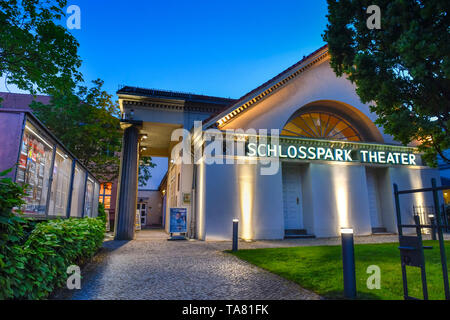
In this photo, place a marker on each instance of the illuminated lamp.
(348, 262)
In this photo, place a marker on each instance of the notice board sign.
(137, 221)
(178, 220)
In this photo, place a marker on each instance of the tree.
(402, 69)
(87, 123)
(35, 52)
(145, 163)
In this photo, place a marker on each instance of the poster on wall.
(178, 220)
(137, 221)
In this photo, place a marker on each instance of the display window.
(76, 209)
(89, 198)
(33, 170)
(59, 196)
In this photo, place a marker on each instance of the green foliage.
(34, 256)
(87, 123)
(403, 68)
(37, 52)
(145, 163)
(11, 236)
(39, 264)
(101, 212)
(53, 246)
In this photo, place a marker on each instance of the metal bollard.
(348, 261)
(235, 235)
(433, 226)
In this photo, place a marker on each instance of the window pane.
(76, 209)
(34, 169)
(108, 188)
(62, 170)
(107, 202)
(320, 125)
(89, 196)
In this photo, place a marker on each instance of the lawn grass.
(319, 269)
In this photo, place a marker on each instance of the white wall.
(339, 199)
(238, 191)
(414, 178)
(316, 84)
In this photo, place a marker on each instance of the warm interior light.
(246, 183)
(42, 139)
(201, 201)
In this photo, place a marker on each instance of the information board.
(178, 220)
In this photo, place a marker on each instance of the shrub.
(53, 246)
(102, 212)
(12, 236)
(33, 264)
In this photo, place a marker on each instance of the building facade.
(59, 186)
(19, 103)
(300, 154)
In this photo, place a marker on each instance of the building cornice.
(170, 106)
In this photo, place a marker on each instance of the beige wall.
(153, 201)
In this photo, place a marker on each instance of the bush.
(12, 236)
(39, 266)
(33, 264)
(102, 212)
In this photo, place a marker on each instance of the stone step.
(299, 236)
(295, 232)
(379, 230)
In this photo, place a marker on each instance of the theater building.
(329, 167)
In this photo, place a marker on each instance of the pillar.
(127, 188)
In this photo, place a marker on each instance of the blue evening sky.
(222, 48)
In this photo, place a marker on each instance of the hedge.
(34, 256)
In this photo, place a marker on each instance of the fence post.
(441, 240)
(397, 210)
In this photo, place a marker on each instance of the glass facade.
(59, 196)
(79, 178)
(95, 200)
(46, 169)
(89, 198)
(35, 159)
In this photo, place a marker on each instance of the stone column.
(127, 187)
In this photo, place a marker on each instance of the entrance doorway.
(292, 200)
(142, 213)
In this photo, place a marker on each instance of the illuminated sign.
(331, 154)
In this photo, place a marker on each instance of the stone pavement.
(151, 267)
